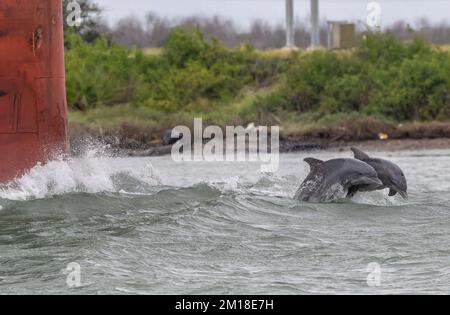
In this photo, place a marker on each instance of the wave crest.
(90, 174)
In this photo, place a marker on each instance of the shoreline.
(133, 139)
(290, 146)
(400, 144)
(379, 145)
(369, 135)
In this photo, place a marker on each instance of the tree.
(92, 26)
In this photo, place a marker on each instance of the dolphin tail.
(360, 155)
(313, 163)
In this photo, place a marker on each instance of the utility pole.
(290, 41)
(315, 31)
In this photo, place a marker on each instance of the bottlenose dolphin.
(389, 173)
(335, 179)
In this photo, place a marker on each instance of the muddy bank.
(131, 140)
(286, 146)
(290, 147)
(396, 145)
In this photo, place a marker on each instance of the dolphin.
(327, 179)
(389, 173)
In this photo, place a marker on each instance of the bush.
(190, 70)
(347, 93)
(401, 81)
(183, 47)
(419, 91)
(99, 74)
(385, 77)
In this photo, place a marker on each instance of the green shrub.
(182, 47)
(99, 74)
(385, 77)
(401, 81)
(419, 91)
(347, 93)
(190, 70)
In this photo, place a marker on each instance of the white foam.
(377, 198)
(231, 184)
(90, 174)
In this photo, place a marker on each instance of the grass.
(237, 112)
(152, 51)
(445, 47)
(146, 126)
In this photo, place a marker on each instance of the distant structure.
(315, 28)
(290, 41)
(341, 35)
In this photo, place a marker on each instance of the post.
(33, 107)
(290, 41)
(315, 31)
(329, 34)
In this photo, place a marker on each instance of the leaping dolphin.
(389, 173)
(327, 179)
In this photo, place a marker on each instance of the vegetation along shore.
(384, 91)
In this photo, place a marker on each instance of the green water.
(151, 226)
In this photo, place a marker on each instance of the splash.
(309, 190)
(92, 173)
(266, 184)
(377, 198)
(231, 184)
(338, 194)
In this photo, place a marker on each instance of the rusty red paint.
(33, 108)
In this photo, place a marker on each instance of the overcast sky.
(244, 11)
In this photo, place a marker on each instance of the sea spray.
(92, 173)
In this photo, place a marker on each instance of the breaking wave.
(91, 173)
(149, 226)
(97, 172)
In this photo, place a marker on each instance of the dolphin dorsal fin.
(313, 163)
(360, 155)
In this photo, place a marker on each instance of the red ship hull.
(33, 108)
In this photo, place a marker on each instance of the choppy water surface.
(149, 225)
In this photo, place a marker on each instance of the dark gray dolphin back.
(389, 173)
(317, 181)
(326, 180)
